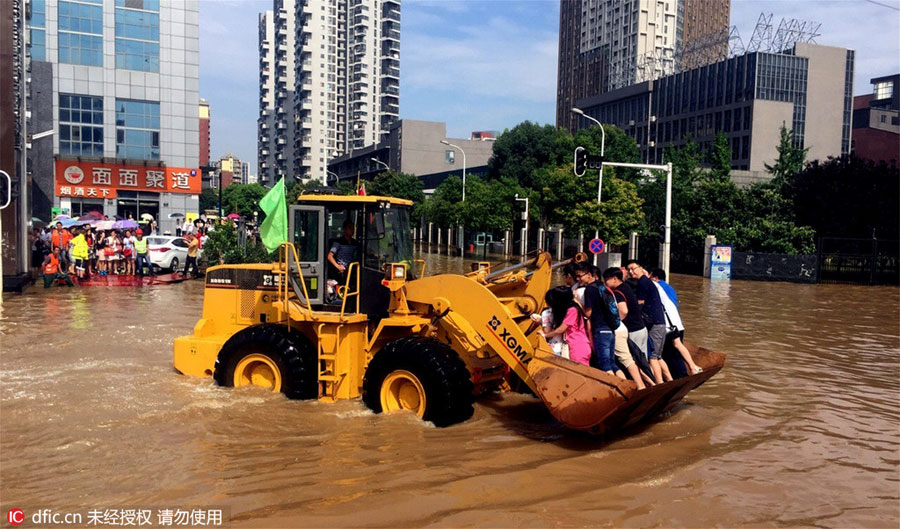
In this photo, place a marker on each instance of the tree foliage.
(222, 247)
(526, 148)
(243, 199)
(847, 197)
(209, 199)
(790, 157)
(400, 185)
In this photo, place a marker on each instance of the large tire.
(269, 355)
(421, 369)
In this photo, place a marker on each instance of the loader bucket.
(583, 398)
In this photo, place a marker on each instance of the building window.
(146, 5)
(137, 129)
(37, 23)
(81, 33)
(137, 35)
(884, 90)
(137, 55)
(80, 125)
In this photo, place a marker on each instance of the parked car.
(168, 252)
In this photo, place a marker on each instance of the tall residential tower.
(334, 70)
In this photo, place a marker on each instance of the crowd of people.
(619, 321)
(58, 252)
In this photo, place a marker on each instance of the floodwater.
(801, 428)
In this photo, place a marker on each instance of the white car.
(168, 252)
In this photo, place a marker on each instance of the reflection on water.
(801, 428)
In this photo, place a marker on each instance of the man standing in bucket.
(141, 255)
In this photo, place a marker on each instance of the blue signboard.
(720, 262)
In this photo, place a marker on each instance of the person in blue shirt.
(658, 275)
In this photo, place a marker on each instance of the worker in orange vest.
(52, 271)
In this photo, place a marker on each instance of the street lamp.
(581, 113)
(332, 173)
(457, 147)
(24, 204)
(376, 160)
(524, 235)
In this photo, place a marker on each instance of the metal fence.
(861, 261)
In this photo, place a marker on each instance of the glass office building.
(808, 88)
(117, 81)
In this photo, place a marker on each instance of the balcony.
(389, 13)
(391, 35)
(390, 72)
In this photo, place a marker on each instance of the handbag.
(109, 251)
(126, 252)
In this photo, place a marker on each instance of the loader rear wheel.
(270, 356)
(419, 375)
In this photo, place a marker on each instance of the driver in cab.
(343, 251)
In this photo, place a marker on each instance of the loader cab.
(380, 236)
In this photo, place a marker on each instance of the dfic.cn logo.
(15, 516)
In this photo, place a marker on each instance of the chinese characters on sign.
(90, 179)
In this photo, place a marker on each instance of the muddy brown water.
(801, 428)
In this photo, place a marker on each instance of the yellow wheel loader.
(378, 328)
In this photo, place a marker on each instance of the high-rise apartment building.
(340, 64)
(204, 132)
(116, 81)
(265, 156)
(610, 44)
(231, 171)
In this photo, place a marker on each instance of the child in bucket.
(568, 322)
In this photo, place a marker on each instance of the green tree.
(222, 247)
(243, 199)
(400, 185)
(522, 150)
(719, 158)
(489, 204)
(790, 157)
(298, 188)
(209, 199)
(443, 208)
(846, 197)
(614, 218)
(346, 187)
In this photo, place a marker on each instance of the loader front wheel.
(422, 376)
(270, 356)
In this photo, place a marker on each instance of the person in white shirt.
(675, 329)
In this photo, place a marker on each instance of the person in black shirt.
(654, 318)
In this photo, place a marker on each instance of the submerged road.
(801, 428)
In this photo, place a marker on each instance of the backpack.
(610, 307)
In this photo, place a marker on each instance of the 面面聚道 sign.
(102, 180)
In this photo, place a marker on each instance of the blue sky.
(490, 64)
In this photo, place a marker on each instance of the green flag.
(274, 230)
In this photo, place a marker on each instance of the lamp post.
(379, 162)
(581, 113)
(332, 173)
(525, 234)
(457, 147)
(24, 203)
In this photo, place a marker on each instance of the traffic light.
(580, 161)
(662, 234)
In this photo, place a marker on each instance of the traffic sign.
(596, 246)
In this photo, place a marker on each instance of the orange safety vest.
(52, 267)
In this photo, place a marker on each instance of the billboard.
(102, 180)
(720, 262)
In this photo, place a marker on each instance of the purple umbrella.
(125, 225)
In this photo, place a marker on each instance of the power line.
(895, 8)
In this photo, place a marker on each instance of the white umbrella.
(146, 217)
